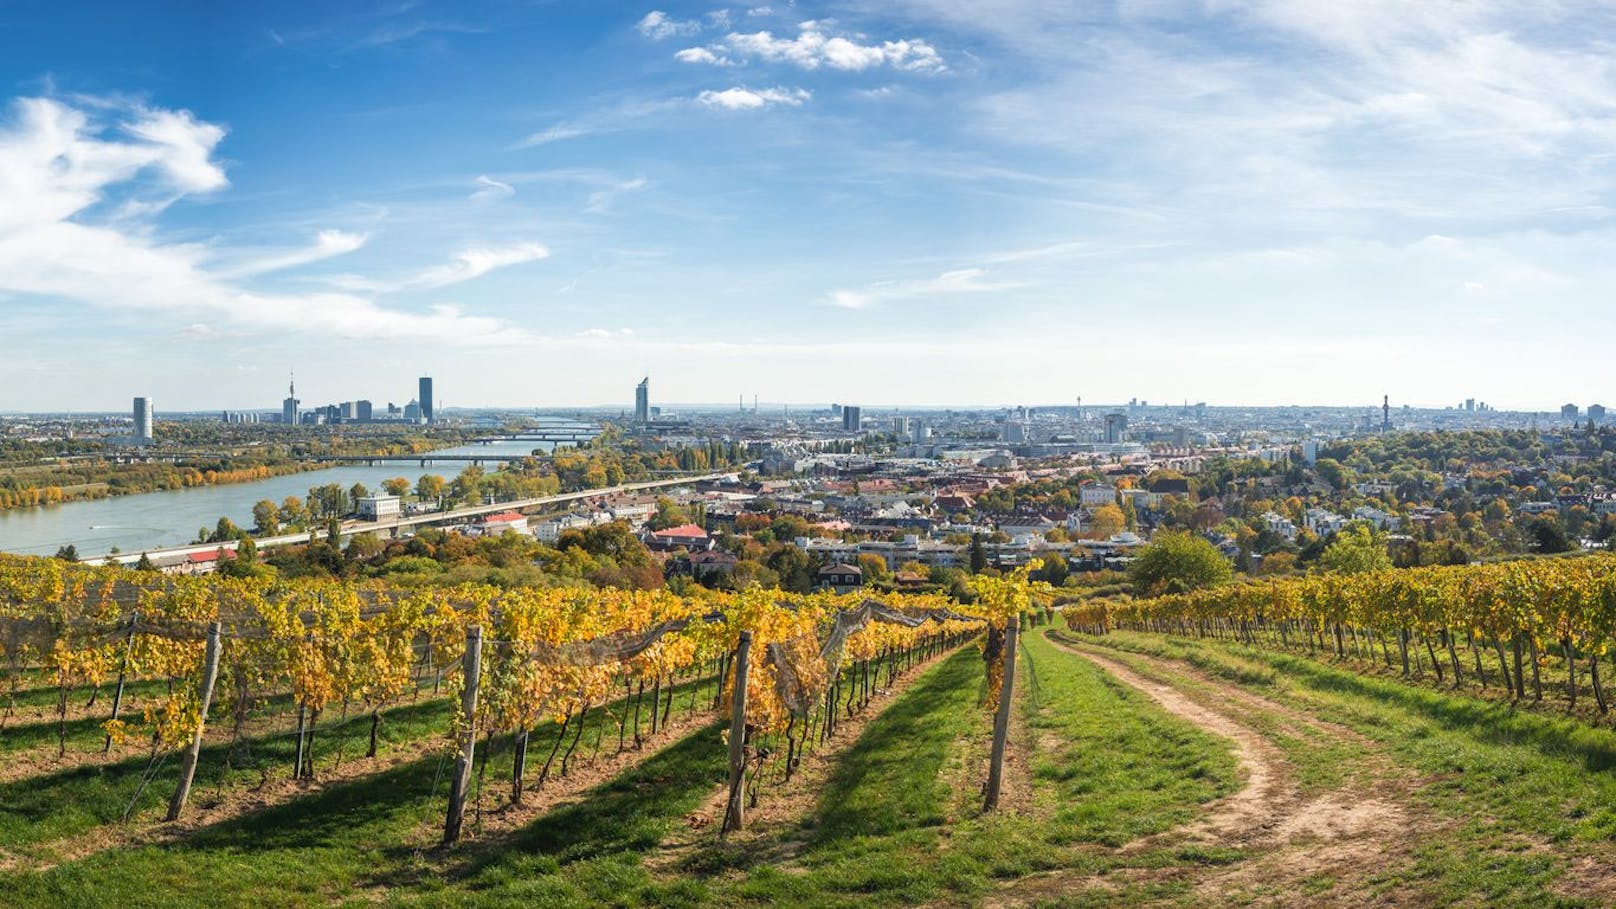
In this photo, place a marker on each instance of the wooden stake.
(210, 672)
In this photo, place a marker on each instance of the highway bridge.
(392, 526)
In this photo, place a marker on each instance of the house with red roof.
(690, 537)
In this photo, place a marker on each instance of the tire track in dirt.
(1332, 841)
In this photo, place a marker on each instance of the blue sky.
(910, 201)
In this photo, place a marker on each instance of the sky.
(898, 202)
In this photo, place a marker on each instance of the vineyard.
(210, 741)
(1527, 615)
(514, 658)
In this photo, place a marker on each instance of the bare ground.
(1301, 849)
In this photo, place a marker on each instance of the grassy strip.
(1526, 794)
(1109, 766)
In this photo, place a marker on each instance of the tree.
(668, 514)
(358, 491)
(266, 518)
(979, 556)
(225, 531)
(68, 553)
(468, 486)
(293, 512)
(1054, 570)
(1359, 547)
(1546, 534)
(397, 486)
(429, 487)
(1177, 562)
(791, 564)
(1107, 521)
(145, 563)
(873, 567)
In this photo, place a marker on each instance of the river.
(153, 520)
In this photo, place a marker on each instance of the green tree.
(429, 487)
(293, 512)
(145, 563)
(266, 518)
(68, 553)
(979, 555)
(1358, 547)
(1177, 562)
(356, 492)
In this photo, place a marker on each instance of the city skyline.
(930, 201)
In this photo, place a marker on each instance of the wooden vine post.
(737, 735)
(1001, 719)
(472, 666)
(210, 672)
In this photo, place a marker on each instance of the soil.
(1301, 849)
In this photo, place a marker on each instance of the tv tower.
(1386, 413)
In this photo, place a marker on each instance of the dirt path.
(1302, 849)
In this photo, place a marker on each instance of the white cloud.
(489, 188)
(701, 55)
(949, 283)
(475, 262)
(658, 26)
(814, 47)
(327, 244)
(601, 200)
(606, 333)
(59, 166)
(739, 98)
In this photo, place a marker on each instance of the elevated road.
(392, 526)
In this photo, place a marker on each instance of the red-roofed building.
(685, 536)
(495, 524)
(194, 563)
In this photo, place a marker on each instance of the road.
(391, 526)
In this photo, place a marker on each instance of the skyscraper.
(289, 406)
(1115, 425)
(642, 401)
(851, 419)
(143, 421)
(425, 397)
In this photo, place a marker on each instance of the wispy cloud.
(947, 284)
(814, 47)
(601, 200)
(489, 188)
(659, 26)
(739, 98)
(327, 244)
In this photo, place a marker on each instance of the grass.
(1521, 792)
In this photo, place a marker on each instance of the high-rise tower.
(289, 406)
(425, 397)
(143, 421)
(642, 401)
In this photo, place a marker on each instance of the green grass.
(1521, 792)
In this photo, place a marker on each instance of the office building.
(1570, 411)
(1596, 413)
(901, 427)
(425, 398)
(851, 421)
(364, 411)
(1116, 425)
(412, 412)
(642, 401)
(144, 419)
